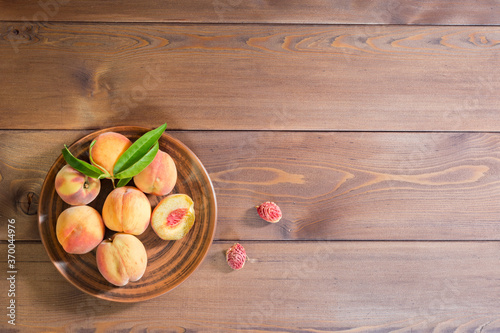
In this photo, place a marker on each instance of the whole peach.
(107, 149)
(75, 188)
(121, 259)
(127, 209)
(173, 217)
(79, 229)
(159, 177)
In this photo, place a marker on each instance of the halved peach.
(173, 217)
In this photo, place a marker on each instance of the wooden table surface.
(374, 125)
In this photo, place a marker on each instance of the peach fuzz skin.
(159, 177)
(107, 149)
(74, 188)
(127, 209)
(79, 229)
(121, 259)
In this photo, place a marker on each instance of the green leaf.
(138, 149)
(79, 165)
(123, 182)
(139, 165)
(104, 175)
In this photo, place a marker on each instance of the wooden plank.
(249, 77)
(356, 186)
(285, 287)
(256, 11)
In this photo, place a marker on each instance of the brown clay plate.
(169, 262)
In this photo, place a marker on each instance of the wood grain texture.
(250, 77)
(355, 186)
(484, 12)
(286, 287)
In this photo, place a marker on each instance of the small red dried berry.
(236, 256)
(269, 211)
